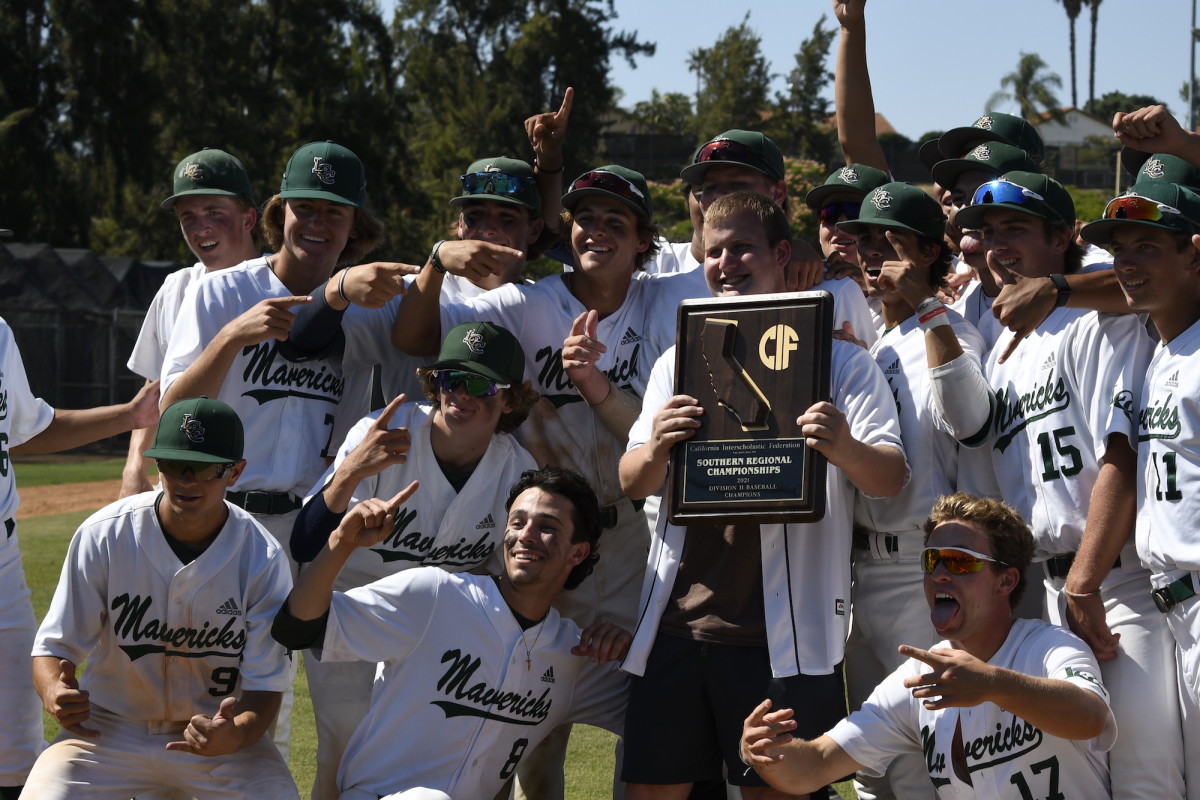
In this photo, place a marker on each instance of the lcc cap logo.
(881, 199)
(982, 153)
(192, 429)
(193, 172)
(323, 170)
(848, 175)
(984, 123)
(474, 342)
(1154, 169)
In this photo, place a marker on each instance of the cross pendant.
(528, 663)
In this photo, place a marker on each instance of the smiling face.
(836, 245)
(316, 231)
(971, 610)
(605, 237)
(217, 228)
(874, 249)
(1158, 277)
(1020, 243)
(464, 413)
(738, 259)
(538, 551)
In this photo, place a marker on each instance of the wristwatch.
(437, 262)
(1064, 289)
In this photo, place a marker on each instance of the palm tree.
(1031, 87)
(1073, 7)
(1095, 9)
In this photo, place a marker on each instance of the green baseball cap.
(325, 171)
(198, 429)
(1159, 167)
(622, 183)
(994, 158)
(1152, 204)
(739, 148)
(504, 180)
(929, 153)
(899, 206)
(484, 349)
(993, 127)
(210, 171)
(1027, 192)
(851, 182)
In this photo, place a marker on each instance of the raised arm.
(547, 133)
(75, 427)
(786, 763)
(1152, 129)
(854, 105)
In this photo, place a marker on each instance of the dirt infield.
(38, 501)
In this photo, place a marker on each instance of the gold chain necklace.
(528, 649)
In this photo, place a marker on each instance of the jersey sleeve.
(503, 306)
(861, 392)
(383, 620)
(146, 359)
(1112, 352)
(27, 416)
(1068, 659)
(600, 696)
(265, 664)
(75, 621)
(659, 389)
(885, 726)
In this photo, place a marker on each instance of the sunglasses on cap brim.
(449, 381)
(729, 150)
(494, 183)
(832, 212)
(1001, 191)
(1135, 208)
(958, 560)
(609, 182)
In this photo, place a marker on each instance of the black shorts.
(685, 714)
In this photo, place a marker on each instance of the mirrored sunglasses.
(494, 183)
(831, 213)
(1141, 209)
(1001, 191)
(958, 560)
(615, 184)
(727, 150)
(450, 381)
(201, 471)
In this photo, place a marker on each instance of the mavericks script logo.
(404, 545)
(1160, 420)
(285, 378)
(224, 641)
(1007, 742)
(1013, 414)
(557, 387)
(480, 700)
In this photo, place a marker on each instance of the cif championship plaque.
(755, 364)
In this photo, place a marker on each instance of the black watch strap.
(1064, 289)
(434, 259)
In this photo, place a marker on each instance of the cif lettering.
(776, 346)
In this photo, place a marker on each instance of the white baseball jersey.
(1169, 457)
(901, 354)
(671, 258)
(806, 567)
(1066, 388)
(150, 349)
(369, 344)
(849, 304)
(1005, 756)
(976, 308)
(437, 526)
(165, 640)
(286, 407)
(22, 417)
(462, 693)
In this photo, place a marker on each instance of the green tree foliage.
(734, 78)
(800, 122)
(1032, 87)
(1112, 102)
(665, 113)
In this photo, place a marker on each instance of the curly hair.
(1010, 538)
(365, 236)
(585, 511)
(522, 397)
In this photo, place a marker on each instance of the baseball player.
(214, 205)
(1060, 445)
(459, 448)
(169, 596)
(725, 614)
(1003, 708)
(931, 359)
(30, 425)
(1151, 231)
(226, 343)
(473, 670)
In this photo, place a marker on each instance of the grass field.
(44, 540)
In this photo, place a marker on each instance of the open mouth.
(945, 609)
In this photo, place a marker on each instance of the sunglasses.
(495, 183)
(614, 184)
(1141, 209)
(1001, 191)
(726, 150)
(958, 560)
(476, 385)
(831, 213)
(201, 471)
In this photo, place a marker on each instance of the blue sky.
(933, 63)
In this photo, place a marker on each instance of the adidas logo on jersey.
(630, 337)
(548, 675)
(893, 368)
(1048, 363)
(230, 608)
(1173, 381)
(486, 522)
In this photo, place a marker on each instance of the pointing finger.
(564, 111)
(1012, 346)
(898, 245)
(385, 417)
(403, 495)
